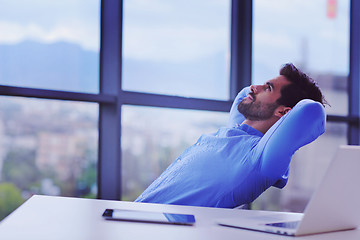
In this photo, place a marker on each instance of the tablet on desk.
(149, 217)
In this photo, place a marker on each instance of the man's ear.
(281, 111)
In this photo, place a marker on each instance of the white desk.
(48, 218)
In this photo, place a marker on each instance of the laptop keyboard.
(291, 225)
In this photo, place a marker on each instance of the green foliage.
(89, 175)
(20, 168)
(10, 199)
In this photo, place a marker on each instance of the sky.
(179, 31)
(299, 30)
(75, 21)
(175, 31)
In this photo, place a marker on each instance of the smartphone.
(149, 217)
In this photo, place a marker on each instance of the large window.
(48, 146)
(50, 44)
(177, 47)
(314, 35)
(90, 109)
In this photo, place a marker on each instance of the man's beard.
(256, 111)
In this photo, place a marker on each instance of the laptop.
(334, 206)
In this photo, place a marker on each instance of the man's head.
(261, 102)
(301, 87)
(277, 96)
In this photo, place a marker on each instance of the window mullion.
(241, 43)
(109, 169)
(354, 76)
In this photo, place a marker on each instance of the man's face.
(260, 104)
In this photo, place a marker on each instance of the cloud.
(176, 31)
(13, 33)
(51, 21)
(173, 44)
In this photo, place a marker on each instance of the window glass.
(307, 168)
(50, 44)
(152, 138)
(46, 147)
(177, 47)
(314, 35)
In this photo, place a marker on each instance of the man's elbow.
(315, 113)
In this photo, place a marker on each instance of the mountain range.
(68, 67)
(57, 66)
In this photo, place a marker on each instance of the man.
(267, 124)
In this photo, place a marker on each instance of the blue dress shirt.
(237, 163)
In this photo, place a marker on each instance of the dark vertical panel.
(241, 43)
(241, 48)
(354, 76)
(109, 169)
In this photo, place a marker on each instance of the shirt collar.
(250, 130)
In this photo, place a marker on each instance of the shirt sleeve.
(236, 118)
(300, 126)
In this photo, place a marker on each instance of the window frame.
(353, 118)
(111, 97)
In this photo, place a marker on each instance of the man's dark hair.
(301, 87)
